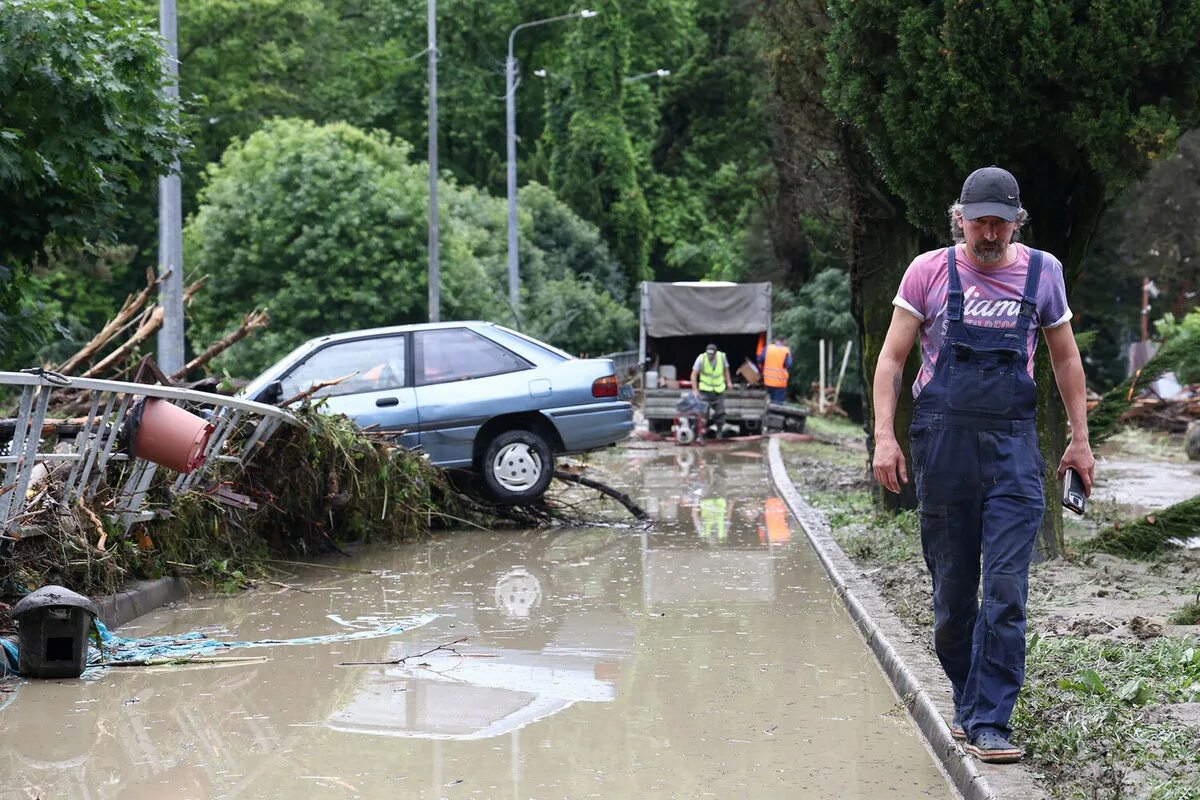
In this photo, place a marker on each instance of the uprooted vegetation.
(312, 489)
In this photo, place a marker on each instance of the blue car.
(472, 395)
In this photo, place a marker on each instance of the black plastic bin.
(53, 626)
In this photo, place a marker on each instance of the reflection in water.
(703, 657)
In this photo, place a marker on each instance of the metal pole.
(435, 265)
(171, 345)
(510, 121)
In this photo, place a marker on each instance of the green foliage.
(1150, 534)
(326, 226)
(568, 243)
(819, 309)
(1183, 337)
(708, 175)
(322, 225)
(576, 314)
(592, 168)
(1056, 91)
(1081, 718)
(1179, 352)
(80, 112)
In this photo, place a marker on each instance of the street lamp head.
(587, 13)
(541, 73)
(662, 73)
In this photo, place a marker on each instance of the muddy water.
(706, 657)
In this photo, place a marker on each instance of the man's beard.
(988, 252)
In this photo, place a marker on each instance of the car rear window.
(457, 354)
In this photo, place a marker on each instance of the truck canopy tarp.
(688, 309)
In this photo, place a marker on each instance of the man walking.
(775, 361)
(710, 378)
(977, 307)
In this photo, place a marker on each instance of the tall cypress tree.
(1075, 98)
(593, 167)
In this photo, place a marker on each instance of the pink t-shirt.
(991, 299)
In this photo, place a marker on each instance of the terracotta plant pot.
(170, 436)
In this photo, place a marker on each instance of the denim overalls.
(978, 473)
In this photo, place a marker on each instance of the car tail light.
(605, 387)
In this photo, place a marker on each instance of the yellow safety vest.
(712, 376)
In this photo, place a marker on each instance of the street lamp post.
(510, 120)
(435, 265)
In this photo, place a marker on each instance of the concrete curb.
(140, 598)
(912, 670)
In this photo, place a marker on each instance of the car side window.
(456, 354)
(373, 365)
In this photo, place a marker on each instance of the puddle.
(706, 657)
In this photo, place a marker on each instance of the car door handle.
(387, 401)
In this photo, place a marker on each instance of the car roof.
(393, 329)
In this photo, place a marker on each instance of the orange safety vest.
(777, 529)
(775, 374)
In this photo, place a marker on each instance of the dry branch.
(129, 310)
(253, 321)
(620, 497)
(144, 332)
(316, 387)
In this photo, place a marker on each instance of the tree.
(592, 167)
(325, 226)
(81, 108)
(819, 309)
(830, 191)
(1076, 100)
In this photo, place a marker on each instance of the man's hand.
(1078, 456)
(889, 461)
(695, 392)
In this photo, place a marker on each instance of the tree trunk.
(1069, 214)
(883, 242)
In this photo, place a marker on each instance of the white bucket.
(651, 379)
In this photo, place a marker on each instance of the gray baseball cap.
(991, 192)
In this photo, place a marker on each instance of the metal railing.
(624, 362)
(91, 443)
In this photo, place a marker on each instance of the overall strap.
(954, 298)
(1029, 296)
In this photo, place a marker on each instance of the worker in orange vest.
(775, 362)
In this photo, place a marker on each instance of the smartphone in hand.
(1073, 496)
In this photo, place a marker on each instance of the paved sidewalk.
(914, 672)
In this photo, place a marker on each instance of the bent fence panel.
(39, 441)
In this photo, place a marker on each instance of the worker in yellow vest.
(710, 379)
(775, 362)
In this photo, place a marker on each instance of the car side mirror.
(272, 393)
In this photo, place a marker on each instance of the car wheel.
(517, 467)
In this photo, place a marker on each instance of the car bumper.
(591, 426)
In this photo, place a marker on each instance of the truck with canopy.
(678, 320)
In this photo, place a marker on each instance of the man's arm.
(728, 377)
(695, 381)
(889, 371)
(1068, 373)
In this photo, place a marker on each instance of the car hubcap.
(518, 592)
(517, 467)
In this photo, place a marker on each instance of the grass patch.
(837, 427)
(1189, 614)
(1087, 716)
(867, 533)
(1146, 444)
